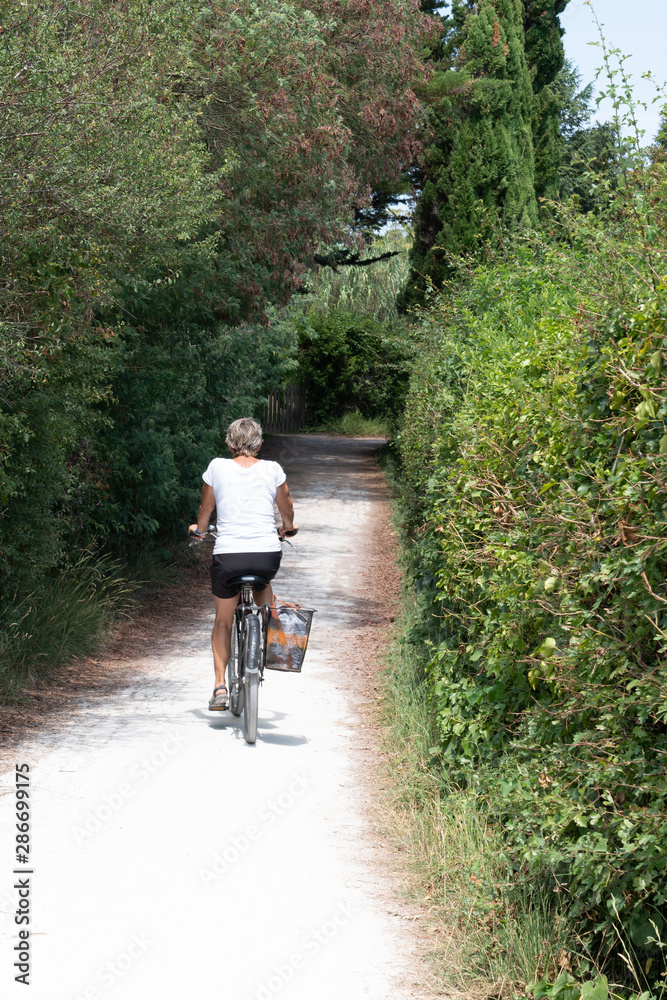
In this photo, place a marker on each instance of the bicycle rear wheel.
(251, 678)
(234, 674)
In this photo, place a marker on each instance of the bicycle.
(245, 667)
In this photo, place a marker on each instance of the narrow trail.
(173, 860)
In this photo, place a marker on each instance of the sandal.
(219, 702)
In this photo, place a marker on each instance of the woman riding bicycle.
(243, 490)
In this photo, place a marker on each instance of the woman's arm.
(286, 508)
(205, 509)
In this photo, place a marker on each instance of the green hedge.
(535, 461)
(147, 228)
(351, 362)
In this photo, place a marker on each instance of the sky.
(639, 29)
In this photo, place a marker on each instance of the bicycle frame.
(245, 607)
(245, 671)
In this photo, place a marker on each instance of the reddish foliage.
(316, 114)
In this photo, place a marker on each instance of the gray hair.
(244, 437)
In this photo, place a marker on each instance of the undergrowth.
(496, 928)
(71, 613)
(353, 424)
(533, 450)
(493, 927)
(67, 615)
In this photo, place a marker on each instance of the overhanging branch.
(350, 258)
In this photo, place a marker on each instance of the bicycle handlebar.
(211, 531)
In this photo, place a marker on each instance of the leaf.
(615, 904)
(646, 410)
(597, 990)
(550, 583)
(539, 989)
(656, 361)
(644, 927)
(547, 648)
(565, 987)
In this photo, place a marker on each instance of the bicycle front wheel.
(234, 679)
(251, 679)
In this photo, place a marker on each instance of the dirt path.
(173, 860)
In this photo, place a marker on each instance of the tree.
(545, 57)
(575, 102)
(312, 104)
(167, 171)
(661, 137)
(478, 172)
(104, 181)
(586, 151)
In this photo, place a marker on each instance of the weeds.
(67, 616)
(493, 926)
(353, 424)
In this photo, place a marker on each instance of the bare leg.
(222, 635)
(263, 596)
(221, 639)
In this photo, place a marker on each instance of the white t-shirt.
(244, 503)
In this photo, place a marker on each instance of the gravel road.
(170, 858)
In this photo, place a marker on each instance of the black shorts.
(227, 565)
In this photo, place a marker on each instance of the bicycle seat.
(256, 582)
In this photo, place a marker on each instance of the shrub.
(534, 447)
(65, 615)
(352, 362)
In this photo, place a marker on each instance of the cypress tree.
(478, 173)
(545, 57)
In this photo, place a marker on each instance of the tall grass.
(492, 927)
(354, 424)
(66, 617)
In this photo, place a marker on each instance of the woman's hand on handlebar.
(286, 532)
(194, 532)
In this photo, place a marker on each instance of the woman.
(242, 489)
